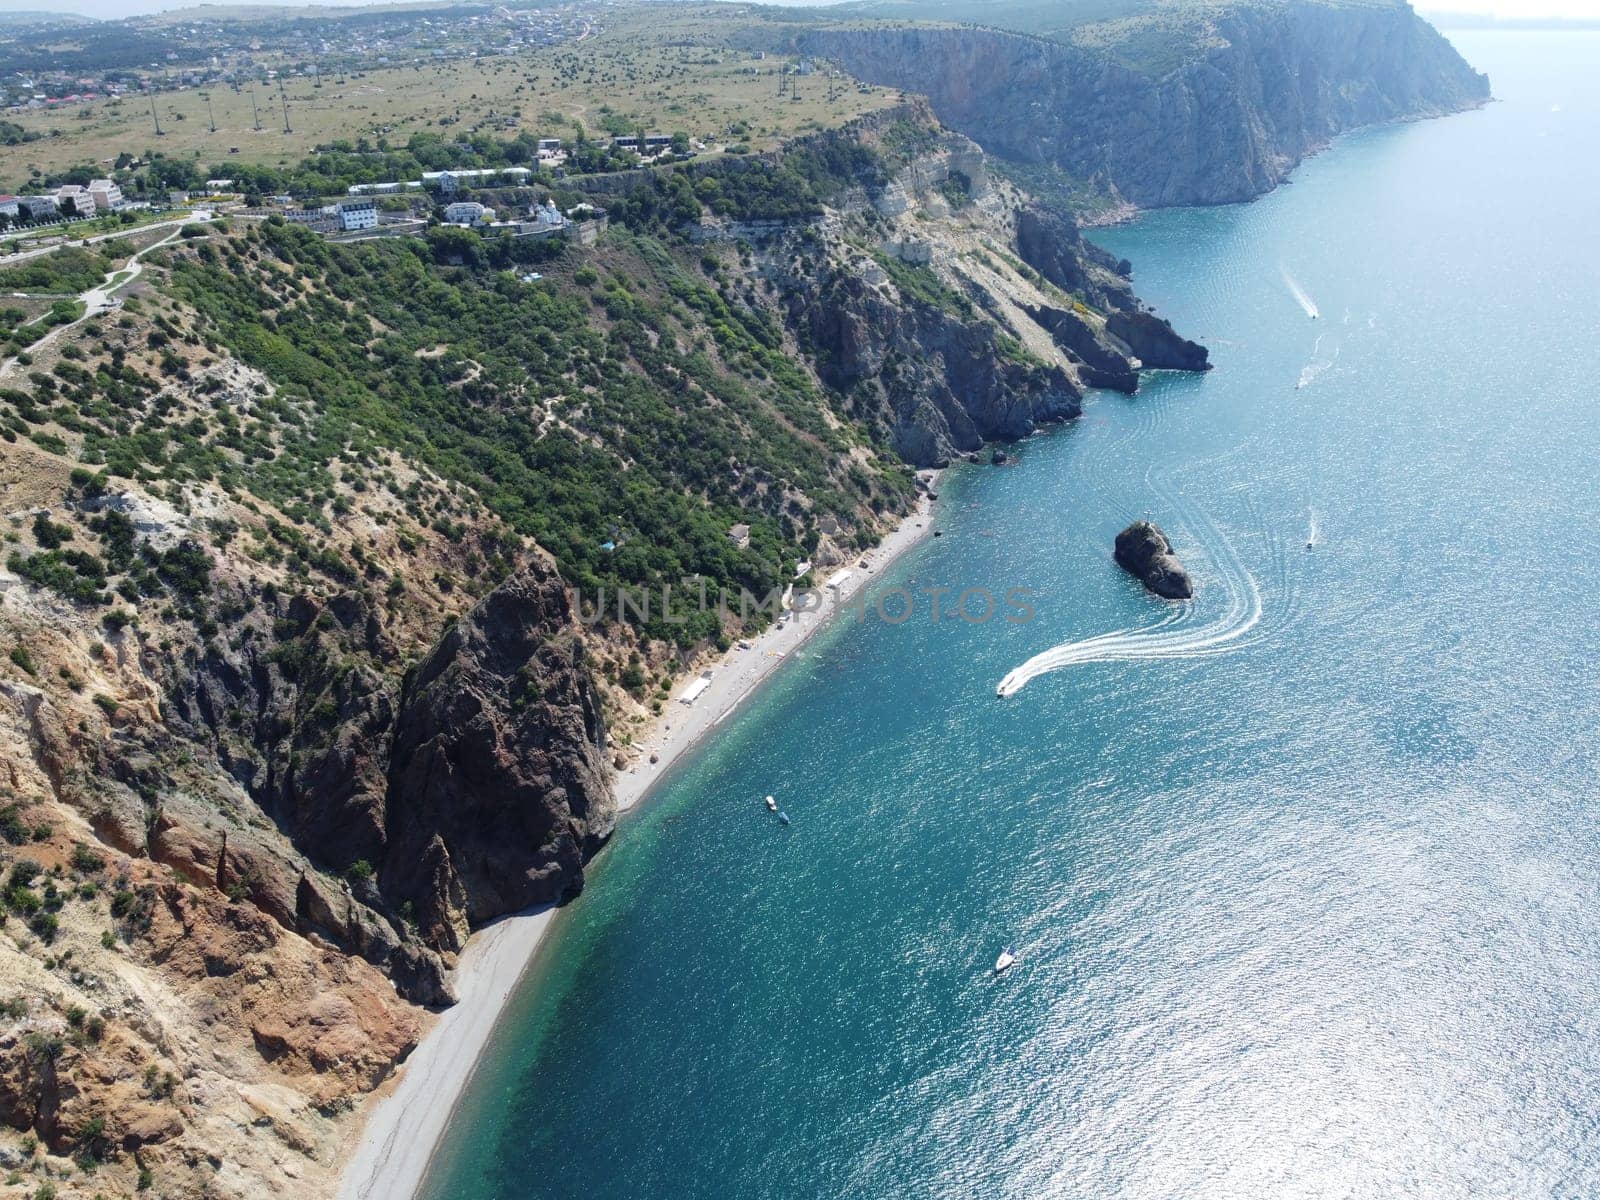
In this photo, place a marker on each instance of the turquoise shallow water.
(1316, 916)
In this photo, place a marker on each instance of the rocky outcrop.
(498, 784)
(1263, 87)
(1052, 244)
(1130, 338)
(1100, 365)
(1155, 343)
(1144, 552)
(939, 383)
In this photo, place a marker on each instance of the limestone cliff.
(1262, 86)
(944, 307)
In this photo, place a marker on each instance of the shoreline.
(390, 1148)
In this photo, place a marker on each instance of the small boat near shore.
(1007, 959)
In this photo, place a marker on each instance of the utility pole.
(285, 99)
(153, 116)
(254, 110)
(210, 113)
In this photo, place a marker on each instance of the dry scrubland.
(668, 70)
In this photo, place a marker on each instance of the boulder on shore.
(1144, 552)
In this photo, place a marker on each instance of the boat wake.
(1314, 369)
(1178, 635)
(1300, 295)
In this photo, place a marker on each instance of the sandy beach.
(389, 1153)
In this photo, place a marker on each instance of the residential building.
(37, 208)
(75, 197)
(106, 194)
(8, 205)
(739, 535)
(356, 214)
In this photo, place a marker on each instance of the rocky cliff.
(945, 308)
(289, 709)
(498, 791)
(943, 383)
(1264, 86)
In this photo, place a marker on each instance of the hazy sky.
(1502, 8)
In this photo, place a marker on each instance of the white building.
(107, 195)
(37, 208)
(467, 212)
(450, 182)
(547, 217)
(78, 197)
(356, 214)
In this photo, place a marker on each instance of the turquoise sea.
(1307, 897)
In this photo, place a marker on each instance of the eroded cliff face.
(949, 309)
(1270, 86)
(944, 382)
(499, 790)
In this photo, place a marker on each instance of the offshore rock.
(1144, 552)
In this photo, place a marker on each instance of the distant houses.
(100, 196)
(343, 217)
(644, 144)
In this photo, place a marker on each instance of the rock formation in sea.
(1143, 551)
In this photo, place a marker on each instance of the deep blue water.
(1317, 915)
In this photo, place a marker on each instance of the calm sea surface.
(1305, 882)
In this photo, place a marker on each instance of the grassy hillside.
(667, 68)
(1147, 35)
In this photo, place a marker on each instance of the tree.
(451, 245)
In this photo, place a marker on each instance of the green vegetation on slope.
(645, 407)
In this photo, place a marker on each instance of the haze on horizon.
(1504, 9)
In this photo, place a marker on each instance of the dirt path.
(96, 300)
